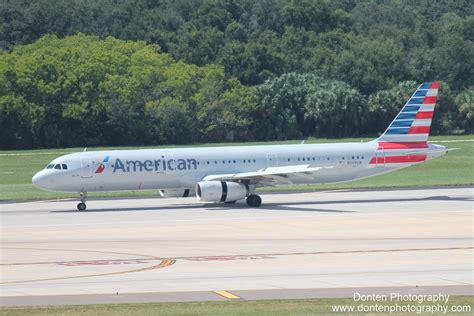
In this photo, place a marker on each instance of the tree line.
(161, 72)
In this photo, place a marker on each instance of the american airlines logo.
(154, 165)
(101, 167)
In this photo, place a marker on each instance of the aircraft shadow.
(286, 206)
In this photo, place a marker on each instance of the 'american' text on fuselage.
(154, 165)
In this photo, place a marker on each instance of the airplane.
(230, 174)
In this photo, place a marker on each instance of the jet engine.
(176, 193)
(221, 191)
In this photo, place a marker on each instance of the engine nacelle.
(176, 193)
(220, 191)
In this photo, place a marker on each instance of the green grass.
(269, 307)
(17, 167)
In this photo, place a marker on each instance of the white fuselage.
(171, 168)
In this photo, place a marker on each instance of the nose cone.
(39, 179)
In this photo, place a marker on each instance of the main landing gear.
(82, 206)
(254, 200)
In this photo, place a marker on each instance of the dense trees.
(83, 90)
(175, 71)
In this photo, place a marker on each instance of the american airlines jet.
(230, 174)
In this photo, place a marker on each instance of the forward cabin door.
(86, 167)
(272, 160)
(380, 158)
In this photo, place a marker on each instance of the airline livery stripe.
(429, 85)
(426, 93)
(419, 130)
(416, 100)
(427, 107)
(397, 131)
(411, 108)
(424, 115)
(401, 145)
(399, 123)
(397, 159)
(425, 85)
(432, 93)
(406, 116)
(420, 93)
(429, 100)
(404, 138)
(426, 122)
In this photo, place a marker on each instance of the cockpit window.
(58, 166)
(64, 166)
(50, 166)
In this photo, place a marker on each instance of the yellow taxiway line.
(227, 294)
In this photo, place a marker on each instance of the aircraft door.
(272, 160)
(86, 167)
(380, 158)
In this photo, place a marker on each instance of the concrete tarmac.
(314, 244)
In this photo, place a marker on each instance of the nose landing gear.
(82, 206)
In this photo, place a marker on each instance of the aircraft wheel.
(254, 200)
(81, 206)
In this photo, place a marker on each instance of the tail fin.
(412, 124)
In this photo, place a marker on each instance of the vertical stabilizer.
(412, 125)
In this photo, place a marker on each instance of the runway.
(315, 244)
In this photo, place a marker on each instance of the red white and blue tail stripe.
(412, 124)
(404, 141)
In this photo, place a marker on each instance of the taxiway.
(296, 245)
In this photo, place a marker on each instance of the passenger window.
(50, 166)
(64, 166)
(58, 166)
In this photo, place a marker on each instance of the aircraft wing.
(268, 176)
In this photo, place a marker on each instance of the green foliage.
(146, 67)
(395, 40)
(466, 109)
(83, 91)
(384, 105)
(302, 105)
